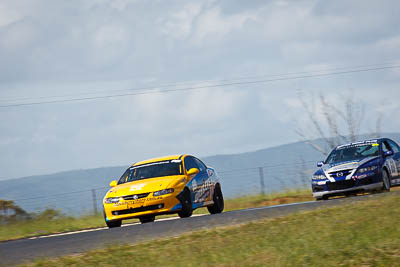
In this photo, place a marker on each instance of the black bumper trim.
(136, 210)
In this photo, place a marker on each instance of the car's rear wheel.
(186, 201)
(218, 199)
(113, 224)
(147, 219)
(385, 181)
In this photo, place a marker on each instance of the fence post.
(262, 185)
(94, 201)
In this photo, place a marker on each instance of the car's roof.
(367, 141)
(158, 159)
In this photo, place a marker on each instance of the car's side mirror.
(193, 171)
(320, 164)
(388, 153)
(113, 183)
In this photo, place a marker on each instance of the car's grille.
(339, 185)
(342, 173)
(136, 196)
(140, 209)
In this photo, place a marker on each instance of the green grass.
(277, 198)
(358, 234)
(43, 225)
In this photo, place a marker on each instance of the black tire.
(218, 199)
(113, 224)
(187, 208)
(147, 219)
(321, 198)
(350, 194)
(385, 181)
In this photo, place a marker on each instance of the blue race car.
(371, 165)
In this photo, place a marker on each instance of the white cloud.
(180, 23)
(300, 51)
(293, 103)
(13, 11)
(75, 48)
(390, 43)
(212, 26)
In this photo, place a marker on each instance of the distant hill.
(285, 166)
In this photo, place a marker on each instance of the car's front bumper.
(142, 207)
(368, 187)
(372, 181)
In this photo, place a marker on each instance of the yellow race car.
(173, 184)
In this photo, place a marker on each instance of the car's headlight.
(163, 192)
(319, 177)
(367, 169)
(111, 200)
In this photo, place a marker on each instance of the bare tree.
(304, 173)
(333, 124)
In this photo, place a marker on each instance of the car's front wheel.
(186, 202)
(218, 199)
(385, 181)
(113, 224)
(322, 198)
(351, 194)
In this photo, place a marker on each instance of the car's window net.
(353, 152)
(200, 164)
(394, 146)
(385, 147)
(151, 170)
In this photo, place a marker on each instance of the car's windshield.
(352, 152)
(151, 170)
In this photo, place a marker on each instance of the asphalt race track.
(25, 250)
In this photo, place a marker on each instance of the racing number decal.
(201, 183)
(202, 192)
(202, 189)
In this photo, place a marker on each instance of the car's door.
(396, 157)
(196, 183)
(389, 160)
(206, 187)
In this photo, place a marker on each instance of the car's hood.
(346, 165)
(144, 186)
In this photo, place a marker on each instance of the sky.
(197, 77)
